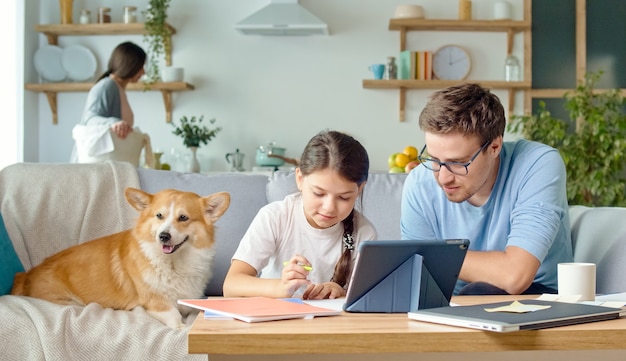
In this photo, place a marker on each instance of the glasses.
(457, 168)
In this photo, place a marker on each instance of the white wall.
(10, 79)
(272, 88)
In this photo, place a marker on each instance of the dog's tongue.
(168, 249)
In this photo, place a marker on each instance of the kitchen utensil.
(235, 159)
(47, 61)
(263, 153)
(287, 160)
(378, 70)
(79, 63)
(409, 11)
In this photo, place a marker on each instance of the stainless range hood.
(282, 17)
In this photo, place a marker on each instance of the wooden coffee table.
(368, 336)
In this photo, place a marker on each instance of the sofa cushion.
(10, 263)
(247, 196)
(380, 201)
(599, 236)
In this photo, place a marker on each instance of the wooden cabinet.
(510, 27)
(52, 33)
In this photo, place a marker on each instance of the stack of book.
(416, 65)
(257, 309)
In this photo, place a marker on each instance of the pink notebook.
(258, 309)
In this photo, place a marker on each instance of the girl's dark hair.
(345, 155)
(126, 60)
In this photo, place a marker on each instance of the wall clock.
(451, 62)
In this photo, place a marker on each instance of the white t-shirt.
(280, 230)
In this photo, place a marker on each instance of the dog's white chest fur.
(183, 274)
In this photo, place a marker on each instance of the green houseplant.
(157, 37)
(592, 142)
(195, 133)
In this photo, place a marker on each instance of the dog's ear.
(137, 198)
(215, 205)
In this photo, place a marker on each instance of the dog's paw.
(171, 317)
(188, 321)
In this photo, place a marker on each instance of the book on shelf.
(405, 64)
(257, 309)
(415, 65)
(424, 65)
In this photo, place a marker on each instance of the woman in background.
(107, 106)
(107, 102)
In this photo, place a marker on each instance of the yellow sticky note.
(518, 307)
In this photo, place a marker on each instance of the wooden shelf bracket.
(51, 90)
(167, 101)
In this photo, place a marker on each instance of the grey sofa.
(34, 329)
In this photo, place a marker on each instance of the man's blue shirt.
(527, 208)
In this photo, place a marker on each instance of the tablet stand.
(407, 288)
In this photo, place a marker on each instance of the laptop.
(399, 276)
(558, 314)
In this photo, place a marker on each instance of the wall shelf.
(51, 90)
(437, 84)
(53, 31)
(510, 27)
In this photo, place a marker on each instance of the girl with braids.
(304, 245)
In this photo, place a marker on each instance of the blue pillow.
(10, 264)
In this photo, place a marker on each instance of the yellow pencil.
(308, 268)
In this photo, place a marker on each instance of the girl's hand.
(121, 129)
(294, 275)
(330, 290)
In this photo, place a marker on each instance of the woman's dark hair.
(126, 60)
(345, 155)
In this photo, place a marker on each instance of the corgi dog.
(165, 257)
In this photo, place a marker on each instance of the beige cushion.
(599, 236)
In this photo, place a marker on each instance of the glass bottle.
(85, 16)
(66, 11)
(465, 9)
(130, 14)
(511, 68)
(391, 69)
(104, 15)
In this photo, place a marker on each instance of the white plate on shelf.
(47, 61)
(79, 63)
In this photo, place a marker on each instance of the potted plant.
(194, 133)
(592, 142)
(158, 36)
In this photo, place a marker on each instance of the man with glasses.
(507, 198)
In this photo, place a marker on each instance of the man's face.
(474, 187)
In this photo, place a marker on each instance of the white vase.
(194, 166)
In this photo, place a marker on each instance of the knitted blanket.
(50, 207)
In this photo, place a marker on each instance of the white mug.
(502, 10)
(170, 73)
(577, 279)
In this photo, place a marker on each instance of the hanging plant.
(158, 35)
